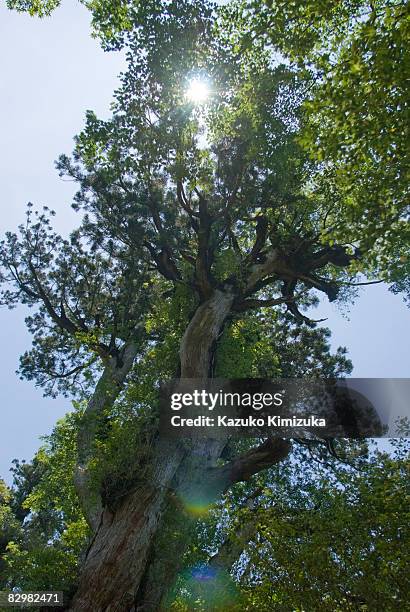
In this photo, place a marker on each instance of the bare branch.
(362, 284)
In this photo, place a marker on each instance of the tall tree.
(208, 210)
(45, 547)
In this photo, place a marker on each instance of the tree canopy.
(209, 230)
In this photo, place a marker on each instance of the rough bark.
(192, 486)
(197, 481)
(202, 333)
(191, 481)
(117, 559)
(137, 548)
(117, 556)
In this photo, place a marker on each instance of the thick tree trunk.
(197, 484)
(137, 549)
(117, 556)
(195, 488)
(126, 567)
(191, 484)
(202, 333)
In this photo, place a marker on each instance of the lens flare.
(213, 587)
(203, 573)
(198, 91)
(196, 505)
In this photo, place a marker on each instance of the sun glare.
(198, 91)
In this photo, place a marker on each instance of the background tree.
(197, 219)
(44, 549)
(295, 538)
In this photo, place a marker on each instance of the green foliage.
(241, 350)
(110, 19)
(46, 531)
(269, 345)
(355, 59)
(343, 547)
(57, 459)
(123, 448)
(86, 305)
(42, 567)
(109, 279)
(333, 538)
(40, 8)
(10, 528)
(226, 264)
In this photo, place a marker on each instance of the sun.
(198, 91)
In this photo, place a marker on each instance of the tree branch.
(184, 202)
(260, 240)
(106, 392)
(232, 547)
(163, 262)
(242, 468)
(62, 321)
(250, 304)
(203, 276)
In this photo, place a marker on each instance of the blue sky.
(52, 72)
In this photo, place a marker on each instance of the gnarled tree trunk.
(136, 552)
(119, 554)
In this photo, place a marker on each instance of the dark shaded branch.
(250, 303)
(336, 255)
(185, 204)
(21, 284)
(362, 284)
(242, 468)
(62, 321)
(300, 317)
(261, 235)
(234, 241)
(163, 262)
(203, 265)
(330, 288)
(188, 257)
(73, 371)
(78, 320)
